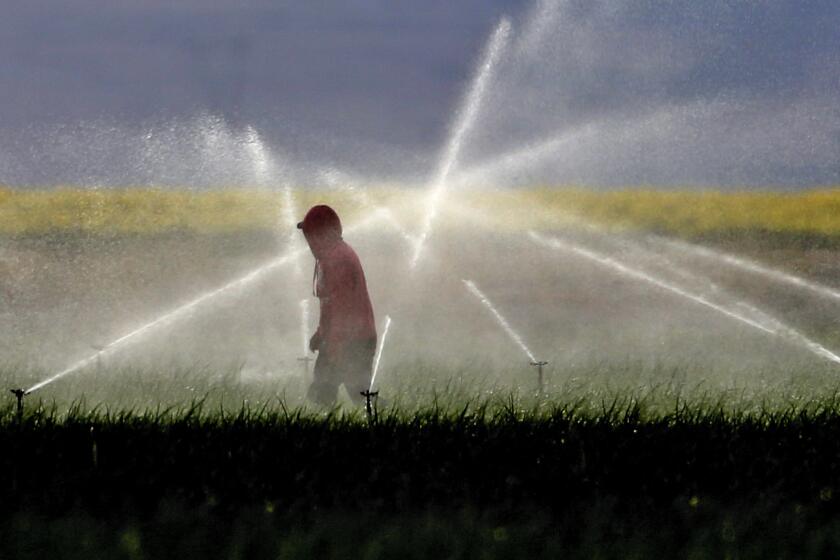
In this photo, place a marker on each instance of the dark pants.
(353, 370)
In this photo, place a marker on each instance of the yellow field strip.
(681, 212)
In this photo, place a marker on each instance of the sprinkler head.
(539, 365)
(19, 394)
(370, 409)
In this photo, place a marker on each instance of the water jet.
(465, 122)
(185, 309)
(630, 272)
(514, 336)
(304, 334)
(379, 349)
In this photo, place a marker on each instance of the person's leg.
(324, 387)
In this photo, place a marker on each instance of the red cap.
(321, 219)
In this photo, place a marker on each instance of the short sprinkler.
(19, 394)
(370, 404)
(306, 360)
(540, 365)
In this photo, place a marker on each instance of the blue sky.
(371, 86)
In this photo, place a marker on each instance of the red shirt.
(346, 311)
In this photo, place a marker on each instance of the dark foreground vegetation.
(485, 481)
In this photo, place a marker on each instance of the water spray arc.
(348, 184)
(558, 244)
(464, 123)
(531, 154)
(379, 350)
(165, 319)
(514, 336)
(184, 310)
(289, 223)
(369, 394)
(751, 266)
(761, 316)
(264, 170)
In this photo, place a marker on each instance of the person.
(346, 336)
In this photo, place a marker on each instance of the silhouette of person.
(346, 335)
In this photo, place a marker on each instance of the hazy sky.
(750, 88)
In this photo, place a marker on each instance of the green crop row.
(546, 480)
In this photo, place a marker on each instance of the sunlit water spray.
(560, 145)
(265, 171)
(260, 160)
(379, 350)
(606, 146)
(184, 310)
(759, 315)
(483, 219)
(542, 21)
(751, 266)
(304, 326)
(531, 155)
(290, 222)
(465, 122)
(346, 183)
(787, 333)
(305, 356)
(389, 217)
(514, 336)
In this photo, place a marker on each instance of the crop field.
(690, 404)
(671, 472)
(812, 215)
(601, 241)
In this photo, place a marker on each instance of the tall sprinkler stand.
(540, 365)
(19, 394)
(306, 361)
(370, 404)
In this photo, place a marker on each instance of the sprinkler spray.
(540, 379)
(19, 394)
(99, 349)
(304, 335)
(370, 394)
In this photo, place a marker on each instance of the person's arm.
(315, 340)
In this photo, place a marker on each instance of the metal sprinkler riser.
(539, 365)
(306, 361)
(369, 409)
(19, 394)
